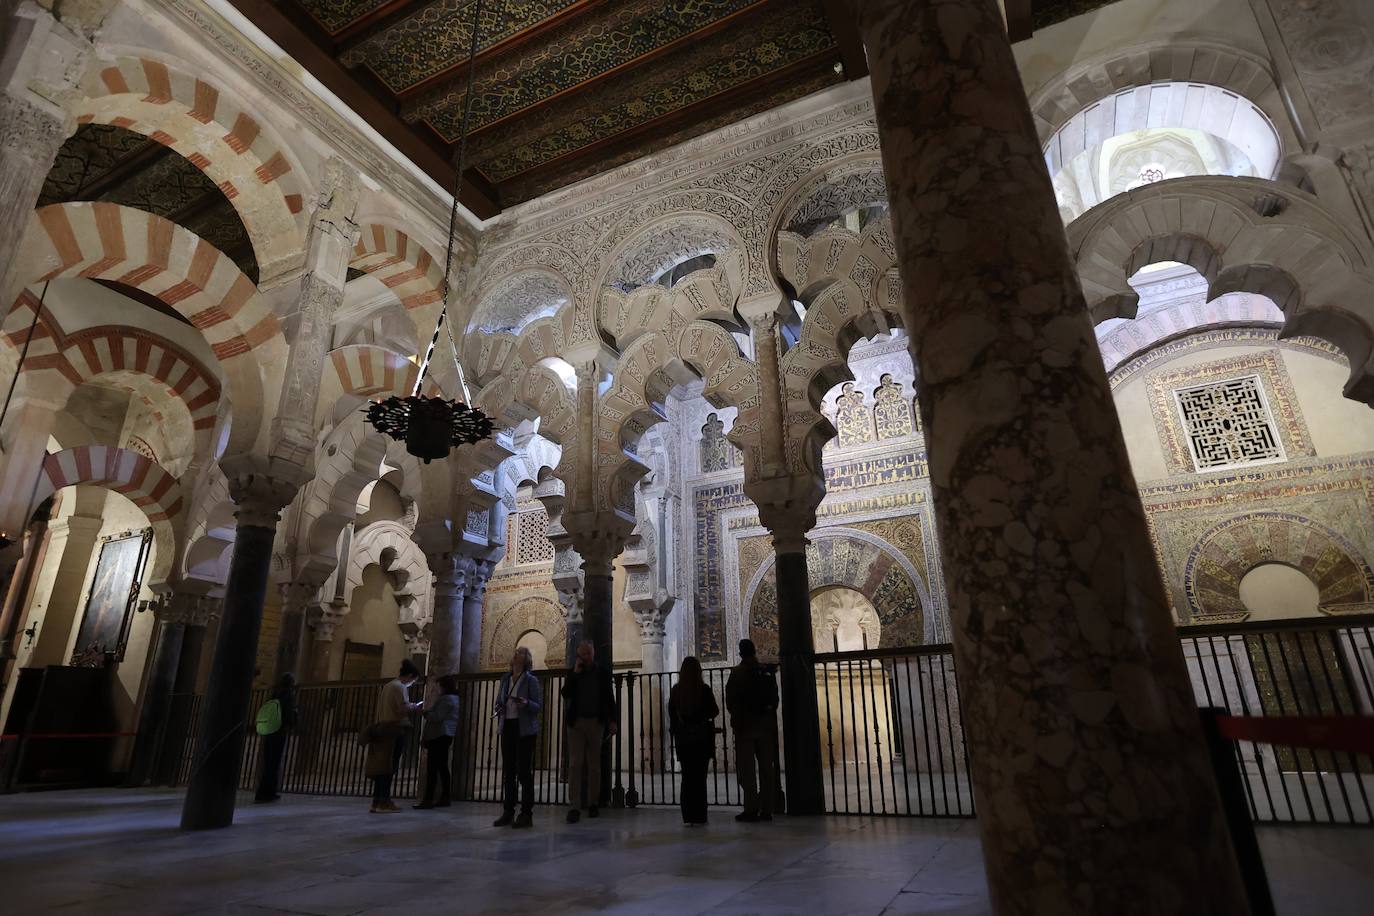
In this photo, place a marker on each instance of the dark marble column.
(1093, 785)
(219, 753)
(157, 693)
(597, 612)
(797, 687)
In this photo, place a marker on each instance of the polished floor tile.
(117, 852)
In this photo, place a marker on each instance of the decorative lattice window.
(532, 543)
(1228, 424)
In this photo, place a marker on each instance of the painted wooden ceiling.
(564, 89)
(102, 162)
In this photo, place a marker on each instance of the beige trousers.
(584, 756)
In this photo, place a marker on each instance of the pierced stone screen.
(532, 537)
(1229, 424)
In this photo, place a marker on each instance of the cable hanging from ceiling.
(432, 426)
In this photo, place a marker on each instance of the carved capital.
(299, 595)
(450, 573)
(260, 498)
(599, 537)
(325, 619)
(787, 506)
(181, 607)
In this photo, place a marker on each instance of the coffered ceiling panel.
(564, 89)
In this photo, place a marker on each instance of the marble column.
(797, 687)
(597, 612)
(297, 599)
(446, 629)
(41, 62)
(474, 600)
(214, 780)
(157, 690)
(1093, 785)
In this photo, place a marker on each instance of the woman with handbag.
(692, 712)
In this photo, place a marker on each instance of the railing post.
(618, 791)
(631, 794)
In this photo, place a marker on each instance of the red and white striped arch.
(402, 264)
(369, 371)
(143, 481)
(108, 241)
(107, 350)
(219, 136)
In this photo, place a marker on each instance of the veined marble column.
(1093, 785)
(787, 508)
(219, 753)
(446, 630)
(157, 692)
(474, 601)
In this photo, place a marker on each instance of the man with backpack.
(751, 698)
(274, 721)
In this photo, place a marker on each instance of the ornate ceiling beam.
(588, 84)
(293, 35)
(370, 26)
(675, 119)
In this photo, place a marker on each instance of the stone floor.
(117, 852)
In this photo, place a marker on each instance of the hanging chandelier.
(431, 426)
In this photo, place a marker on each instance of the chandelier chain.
(453, 210)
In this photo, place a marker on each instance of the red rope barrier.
(1354, 734)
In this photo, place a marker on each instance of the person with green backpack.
(274, 721)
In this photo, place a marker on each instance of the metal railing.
(1309, 667)
(892, 740)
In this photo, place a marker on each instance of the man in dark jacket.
(590, 712)
(751, 698)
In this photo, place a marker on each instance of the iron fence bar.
(1226, 701)
(1298, 705)
(1265, 705)
(899, 718)
(631, 793)
(1246, 710)
(1278, 697)
(829, 734)
(1339, 708)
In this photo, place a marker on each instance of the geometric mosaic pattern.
(1243, 410)
(1228, 424)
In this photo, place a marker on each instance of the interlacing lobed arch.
(1242, 235)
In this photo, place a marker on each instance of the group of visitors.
(591, 719)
